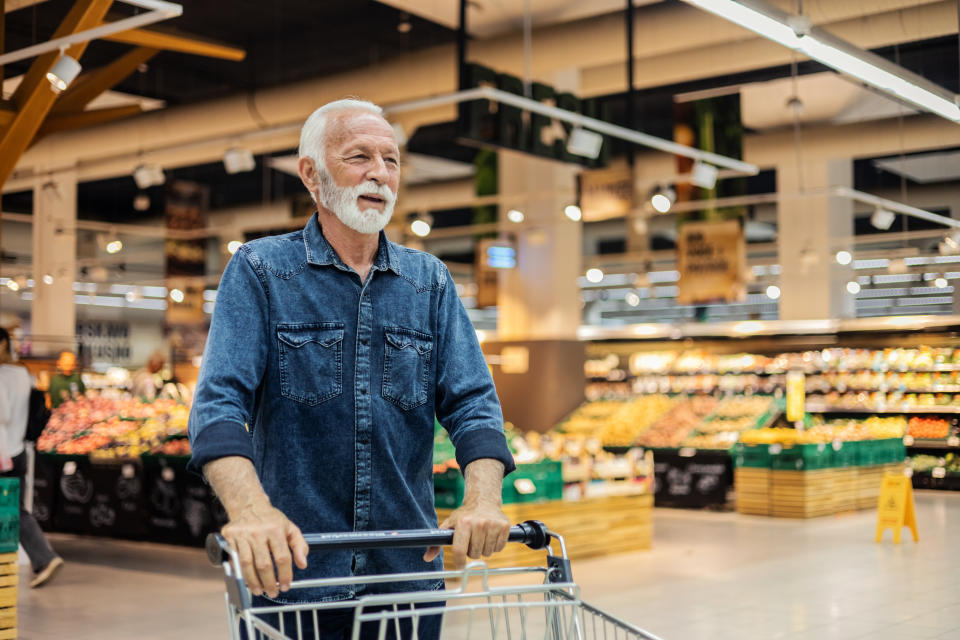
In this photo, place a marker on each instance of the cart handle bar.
(532, 533)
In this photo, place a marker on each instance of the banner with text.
(711, 259)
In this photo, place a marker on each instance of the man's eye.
(358, 156)
(391, 160)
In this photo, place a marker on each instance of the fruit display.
(744, 406)
(928, 428)
(674, 427)
(106, 427)
(634, 418)
(923, 462)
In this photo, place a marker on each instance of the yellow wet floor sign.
(896, 509)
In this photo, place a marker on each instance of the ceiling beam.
(34, 97)
(68, 121)
(13, 5)
(182, 43)
(90, 85)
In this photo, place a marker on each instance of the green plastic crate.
(755, 456)
(534, 482)
(803, 457)
(448, 489)
(847, 454)
(9, 515)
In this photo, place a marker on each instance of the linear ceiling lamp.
(599, 126)
(157, 10)
(798, 33)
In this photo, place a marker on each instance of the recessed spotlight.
(853, 287)
(663, 199)
(515, 215)
(573, 212)
(844, 257)
(233, 246)
(47, 279)
(941, 283)
(773, 292)
(114, 246)
(420, 227)
(176, 295)
(632, 298)
(594, 275)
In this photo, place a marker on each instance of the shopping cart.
(516, 603)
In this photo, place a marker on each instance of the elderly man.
(330, 352)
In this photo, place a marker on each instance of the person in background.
(66, 384)
(147, 382)
(14, 407)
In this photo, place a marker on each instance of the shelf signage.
(505, 126)
(712, 259)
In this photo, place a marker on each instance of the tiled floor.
(710, 575)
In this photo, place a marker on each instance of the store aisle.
(710, 575)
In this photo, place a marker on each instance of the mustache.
(371, 188)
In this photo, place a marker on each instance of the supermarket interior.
(709, 249)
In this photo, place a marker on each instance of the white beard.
(343, 202)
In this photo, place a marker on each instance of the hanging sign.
(711, 258)
(896, 509)
(796, 395)
(606, 193)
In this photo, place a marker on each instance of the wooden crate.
(802, 494)
(845, 489)
(590, 527)
(752, 488)
(9, 578)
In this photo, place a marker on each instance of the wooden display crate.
(802, 494)
(590, 527)
(9, 577)
(845, 489)
(752, 486)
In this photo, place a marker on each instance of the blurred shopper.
(14, 410)
(337, 347)
(148, 381)
(67, 383)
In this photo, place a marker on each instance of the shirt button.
(363, 391)
(363, 341)
(364, 442)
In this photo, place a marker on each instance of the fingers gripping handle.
(531, 533)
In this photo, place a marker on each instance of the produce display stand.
(592, 526)
(808, 481)
(9, 565)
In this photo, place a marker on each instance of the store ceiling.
(285, 40)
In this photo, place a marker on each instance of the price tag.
(953, 441)
(939, 472)
(524, 486)
(69, 468)
(687, 452)
(168, 474)
(837, 445)
(127, 471)
(775, 449)
(908, 441)
(908, 472)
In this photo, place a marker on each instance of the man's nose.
(378, 171)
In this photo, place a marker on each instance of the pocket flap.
(403, 339)
(296, 338)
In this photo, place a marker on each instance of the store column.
(539, 371)
(813, 227)
(52, 314)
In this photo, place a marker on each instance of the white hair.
(313, 134)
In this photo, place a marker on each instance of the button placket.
(364, 408)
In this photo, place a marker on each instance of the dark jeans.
(337, 624)
(31, 536)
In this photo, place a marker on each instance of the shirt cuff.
(219, 440)
(484, 443)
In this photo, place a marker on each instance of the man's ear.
(309, 175)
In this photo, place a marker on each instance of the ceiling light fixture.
(114, 246)
(940, 282)
(663, 199)
(404, 26)
(64, 71)
(632, 298)
(176, 295)
(421, 226)
(238, 160)
(573, 212)
(853, 287)
(798, 34)
(233, 246)
(584, 143)
(882, 218)
(773, 292)
(141, 202)
(844, 257)
(515, 215)
(148, 175)
(47, 279)
(594, 275)
(704, 175)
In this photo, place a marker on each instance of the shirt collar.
(319, 251)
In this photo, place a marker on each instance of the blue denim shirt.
(338, 381)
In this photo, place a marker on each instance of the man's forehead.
(348, 125)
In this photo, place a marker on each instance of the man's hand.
(263, 538)
(260, 533)
(480, 528)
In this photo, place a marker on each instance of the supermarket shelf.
(949, 410)
(945, 388)
(932, 445)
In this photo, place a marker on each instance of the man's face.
(363, 171)
(67, 362)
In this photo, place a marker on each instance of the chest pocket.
(311, 361)
(406, 366)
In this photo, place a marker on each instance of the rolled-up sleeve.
(234, 360)
(466, 400)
